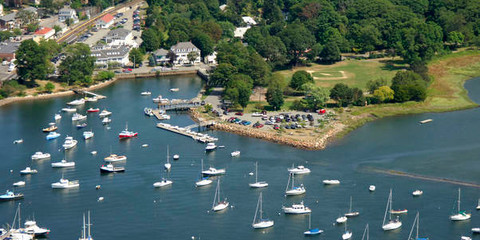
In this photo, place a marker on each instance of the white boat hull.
(163, 183)
(220, 207)
(347, 235)
(204, 182)
(460, 217)
(263, 224)
(258, 185)
(296, 211)
(392, 225)
(341, 220)
(63, 165)
(295, 192)
(63, 186)
(331, 182)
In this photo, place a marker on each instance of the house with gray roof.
(67, 13)
(8, 21)
(161, 56)
(182, 49)
(114, 54)
(8, 49)
(120, 36)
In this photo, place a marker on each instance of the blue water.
(448, 147)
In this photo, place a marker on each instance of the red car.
(322, 111)
(239, 113)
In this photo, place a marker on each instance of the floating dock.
(426, 121)
(187, 132)
(158, 115)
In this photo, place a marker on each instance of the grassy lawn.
(356, 73)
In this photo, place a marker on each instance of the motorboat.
(40, 156)
(19, 184)
(57, 117)
(460, 215)
(31, 227)
(81, 125)
(144, 145)
(371, 188)
(257, 184)
(100, 199)
(350, 212)
(399, 211)
(18, 141)
(465, 238)
(63, 164)
(160, 99)
(78, 117)
(93, 110)
(392, 224)
(50, 128)
(174, 89)
(176, 157)
(417, 193)
(127, 134)
(341, 219)
(331, 182)
(213, 171)
(146, 93)
(69, 143)
(476, 230)
(148, 112)
(260, 222)
(296, 209)
(68, 109)
(235, 154)
(76, 102)
(52, 135)
(65, 184)
(210, 146)
(93, 152)
(86, 235)
(115, 158)
(106, 120)
(293, 191)
(88, 135)
(219, 205)
(311, 231)
(298, 170)
(91, 99)
(9, 195)
(163, 183)
(104, 113)
(109, 168)
(28, 170)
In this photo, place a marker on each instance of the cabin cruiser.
(109, 168)
(210, 146)
(9, 195)
(298, 170)
(63, 164)
(69, 143)
(67, 109)
(104, 113)
(296, 209)
(52, 135)
(213, 171)
(40, 156)
(78, 117)
(88, 135)
(76, 102)
(65, 183)
(28, 170)
(115, 158)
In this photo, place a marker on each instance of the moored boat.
(219, 205)
(297, 209)
(63, 164)
(311, 231)
(86, 235)
(204, 181)
(68, 109)
(28, 170)
(40, 156)
(298, 170)
(69, 143)
(51, 128)
(19, 184)
(106, 120)
(261, 222)
(76, 102)
(257, 184)
(82, 125)
(331, 182)
(392, 224)
(417, 193)
(350, 212)
(52, 135)
(78, 117)
(115, 158)
(65, 184)
(163, 183)
(371, 188)
(57, 117)
(210, 146)
(93, 110)
(460, 215)
(148, 112)
(146, 93)
(235, 154)
(88, 134)
(10, 195)
(18, 141)
(293, 191)
(127, 134)
(213, 171)
(174, 89)
(104, 113)
(110, 168)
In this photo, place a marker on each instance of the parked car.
(239, 113)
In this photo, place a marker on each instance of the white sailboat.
(391, 224)
(350, 212)
(460, 215)
(312, 231)
(347, 234)
(257, 184)
(261, 222)
(219, 205)
(366, 233)
(86, 235)
(203, 180)
(416, 221)
(294, 190)
(168, 165)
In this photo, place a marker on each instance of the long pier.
(89, 93)
(187, 132)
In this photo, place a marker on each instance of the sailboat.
(416, 222)
(163, 183)
(203, 180)
(460, 215)
(366, 233)
(168, 165)
(261, 222)
(86, 233)
(257, 184)
(350, 212)
(219, 205)
(347, 234)
(294, 190)
(311, 231)
(392, 224)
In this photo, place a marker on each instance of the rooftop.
(43, 31)
(161, 52)
(9, 47)
(183, 46)
(107, 18)
(119, 32)
(120, 51)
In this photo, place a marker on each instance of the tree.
(297, 39)
(275, 91)
(32, 27)
(408, 86)
(455, 38)
(373, 85)
(342, 94)
(384, 94)
(330, 53)
(151, 61)
(50, 47)
(299, 78)
(151, 40)
(222, 74)
(27, 17)
(32, 62)
(17, 31)
(136, 56)
(172, 57)
(105, 75)
(239, 89)
(49, 87)
(192, 56)
(77, 68)
(315, 96)
(57, 29)
(227, 29)
(420, 42)
(204, 43)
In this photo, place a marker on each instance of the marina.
(204, 138)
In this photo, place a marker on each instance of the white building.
(211, 59)
(105, 22)
(115, 54)
(240, 31)
(249, 21)
(67, 13)
(43, 33)
(182, 49)
(120, 36)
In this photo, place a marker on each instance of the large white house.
(182, 49)
(120, 36)
(106, 55)
(67, 13)
(105, 22)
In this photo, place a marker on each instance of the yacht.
(76, 102)
(86, 235)
(165, 182)
(52, 135)
(417, 193)
(63, 164)
(31, 227)
(78, 117)
(93, 110)
(392, 224)
(69, 143)
(460, 215)
(331, 182)
(81, 125)
(210, 146)
(109, 168)
(9, 195)
(65, 183)
(106, 120)
(298, 170)
(68, 109)
(57, 117)
(51, 128)
(14, 233)
(127, 134)
(146, 93)
(115, 158)
(293, 191)
(88, 135)
(104, 113)
(311, 231)
(40, 156)
(19, 184)
(213, 171)
(296, 209)
(28, 170)
(219, 205)
(235, 154)
(257, 184)
(261, 222)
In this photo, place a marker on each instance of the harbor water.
(448, 147)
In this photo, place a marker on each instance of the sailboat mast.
(418, 223)
(256, 171)
(288, 183)
(458, 200)
(350, 205)
(256, 210)
(89, 225)
(168, 155)
(386, 209)
(261, 207)
(390, 206)
(19, 216)
(309, 221)
(84, 234)
(293, 181)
